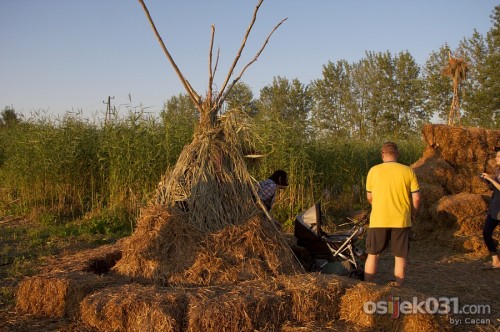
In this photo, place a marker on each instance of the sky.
(60, 56)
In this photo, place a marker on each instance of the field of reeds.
(60, 170)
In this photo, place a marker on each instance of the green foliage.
(179, 119)
(241, 97)
(9, 117)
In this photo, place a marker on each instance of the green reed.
(69, 168)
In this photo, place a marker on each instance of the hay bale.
(97, 260)
(433, 170)
(58, 295)
(471, 243)
(461, 145)
(356, 298)
(465, 212)
(252, 306)
(135, 308)
(315, 298)
(65, 281)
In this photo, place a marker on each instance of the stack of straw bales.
(455, 198)
(58, 290)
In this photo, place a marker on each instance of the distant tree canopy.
(8, 117)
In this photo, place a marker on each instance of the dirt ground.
(433, 270)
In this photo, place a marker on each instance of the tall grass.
(71, 168)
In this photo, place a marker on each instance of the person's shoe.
(491, 267)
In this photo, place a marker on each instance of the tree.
(407, 114)
(334, 106)
(9, 117)
(241, 97)
(179, 119)
(481, 103)
(436, 86)
(287, 102)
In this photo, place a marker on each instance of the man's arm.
(369, 197)
(416, 199)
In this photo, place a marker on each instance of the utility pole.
(110, 111)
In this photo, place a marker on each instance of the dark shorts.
(378, 239)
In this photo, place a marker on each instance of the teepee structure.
(210, 181)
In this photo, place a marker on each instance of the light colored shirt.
(391, 185)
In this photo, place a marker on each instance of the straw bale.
(315, 298)
(464, 211)
(58, 294)
(251, 306)
(354, 300)
(57, 290)
(430, 193)
(433, 170)
(474, 244)
(454, 179)
(460, 145)
(135, 308)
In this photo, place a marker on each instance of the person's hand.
(486, 176)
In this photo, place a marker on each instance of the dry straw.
(135, 308)
(167, 250)
(352, 311)
(58, 290)
(454, 197)
(210, 179)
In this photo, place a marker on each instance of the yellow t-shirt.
(391, 185)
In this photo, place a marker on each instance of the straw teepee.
(456, 69)
(210, 181)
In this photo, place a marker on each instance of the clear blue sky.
(64, 55)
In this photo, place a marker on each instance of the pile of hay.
(210, 181)
(455, 199)
(165, 249)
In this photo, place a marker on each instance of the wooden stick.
(228, 90)
(192, 94)
(238, 55)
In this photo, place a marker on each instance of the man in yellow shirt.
(393, 191)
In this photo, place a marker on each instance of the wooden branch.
(210, 70)
(238, 55)
(223, 96)
(192, 94)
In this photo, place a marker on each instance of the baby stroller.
(331, 253)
